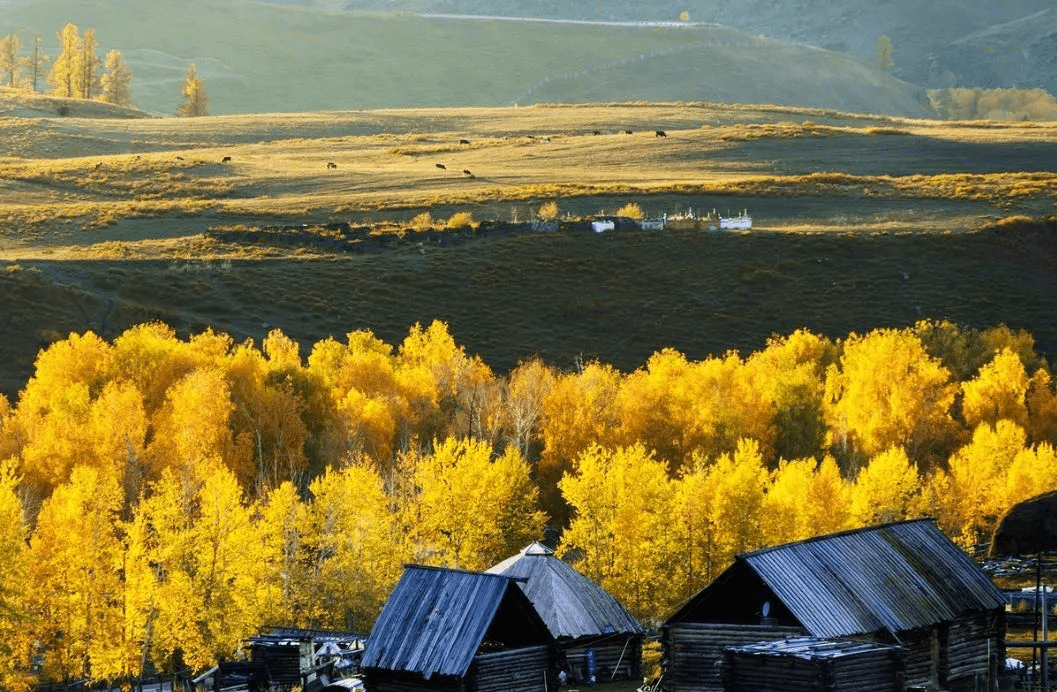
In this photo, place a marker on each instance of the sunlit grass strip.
(96, 214)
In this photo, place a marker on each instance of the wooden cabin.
(595, 633)
(903, 583)
(813, 665)
(454, 631)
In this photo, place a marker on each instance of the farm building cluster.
(892, 607)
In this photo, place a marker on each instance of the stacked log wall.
(694, 649)
(867, 671)
(975, 644)
(920, 661)
(615, 659)
(516, 670)
(754, 673)
(879, 671)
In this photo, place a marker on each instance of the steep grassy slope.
(265, 57)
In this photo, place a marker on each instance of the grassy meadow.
(860, 222)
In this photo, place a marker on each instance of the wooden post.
(1035, 619)
(1044, 655)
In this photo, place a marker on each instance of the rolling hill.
(860, 222)
(272, 57)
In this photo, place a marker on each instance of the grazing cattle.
(464, 141)
(99, 165)
(661, 133)
(331, 164)
(628, 132)
(596, 132)
(468, 173)
(226, 159)
(442, 166)
(179, 158)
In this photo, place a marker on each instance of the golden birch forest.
(164, 498)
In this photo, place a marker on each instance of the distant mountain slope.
(977, 42)
(267, 57)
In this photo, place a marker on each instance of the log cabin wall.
(516, 670)
(695, 649)
(616, 658)
(975, 645)
(812, 665)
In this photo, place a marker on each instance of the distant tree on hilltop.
(65, 71)
(117, 80)
(35, 63)
(10, 66)
(883, 53)
(89, 64)
(194, 94)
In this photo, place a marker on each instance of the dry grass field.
(860, 222)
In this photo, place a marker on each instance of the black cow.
(464, 141)
(596, 132)
(628, 132)
(468, 173)
(226, 159)
(661, 133)
(442, 166)
(331, 164)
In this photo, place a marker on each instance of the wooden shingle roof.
(436, 619)
(570, 604)
(893, 578)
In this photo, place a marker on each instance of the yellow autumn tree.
(193, 428)
(15, 626)
(162, 539)
(371, 401)
(1032, 472)
(997, 393)
(464, 394)
(74, 576)
(888, 391)
(209, 567)
(527, 387)
(281, 595)
(269, 410)
(65, 74)
(89, 66)
(195, 101)
(887, 489)
(150, 357)
(695, 533)
(117, 79)
(472, 509)
(34, 63)
(1041, 402)
(719, 405)
(806, 498)
(578, 412)
(789, 374)
(679, 408)
(353, 548)
(740, 487)
(652, 411)
(974, 495)
(10, 65)
(718, 511)
(621, 526)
